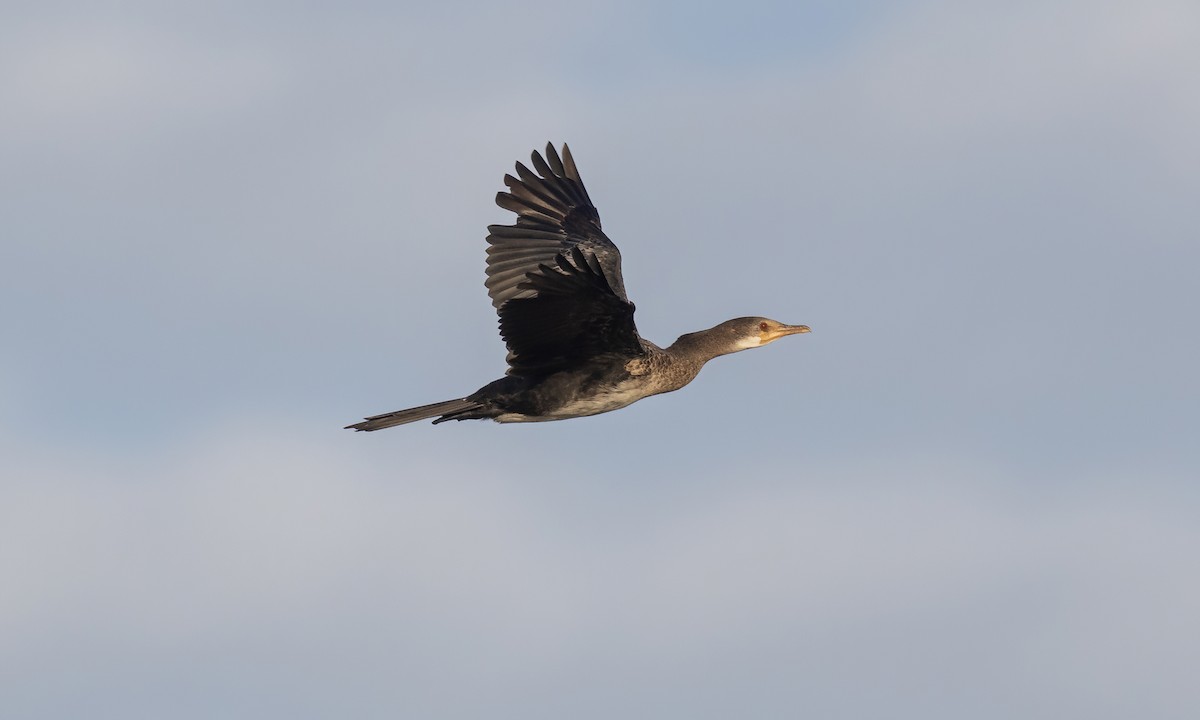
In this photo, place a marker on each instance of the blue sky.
(231, 229)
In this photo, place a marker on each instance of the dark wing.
(554, 214)
(573, 316)
(554, 277)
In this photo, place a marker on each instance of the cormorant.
(573, 349)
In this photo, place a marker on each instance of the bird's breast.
(571, 398)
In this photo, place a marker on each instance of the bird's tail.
(448, 410)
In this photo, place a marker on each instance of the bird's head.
(752, 332)
(738, 334)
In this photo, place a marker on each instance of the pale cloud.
(82, 81)
(451, 571)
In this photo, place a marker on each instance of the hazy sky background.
(231, 228)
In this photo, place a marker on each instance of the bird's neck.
(699, 347)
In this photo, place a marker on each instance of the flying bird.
(573, 349)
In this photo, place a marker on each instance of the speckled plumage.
(573, 348)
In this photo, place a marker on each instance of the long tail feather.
(400, 417)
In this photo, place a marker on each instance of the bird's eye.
(762, 326)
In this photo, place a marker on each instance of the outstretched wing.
(554, 277)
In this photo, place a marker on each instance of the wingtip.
(569, 164)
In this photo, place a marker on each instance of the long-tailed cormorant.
(573, 349)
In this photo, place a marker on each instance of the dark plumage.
(573, 348)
